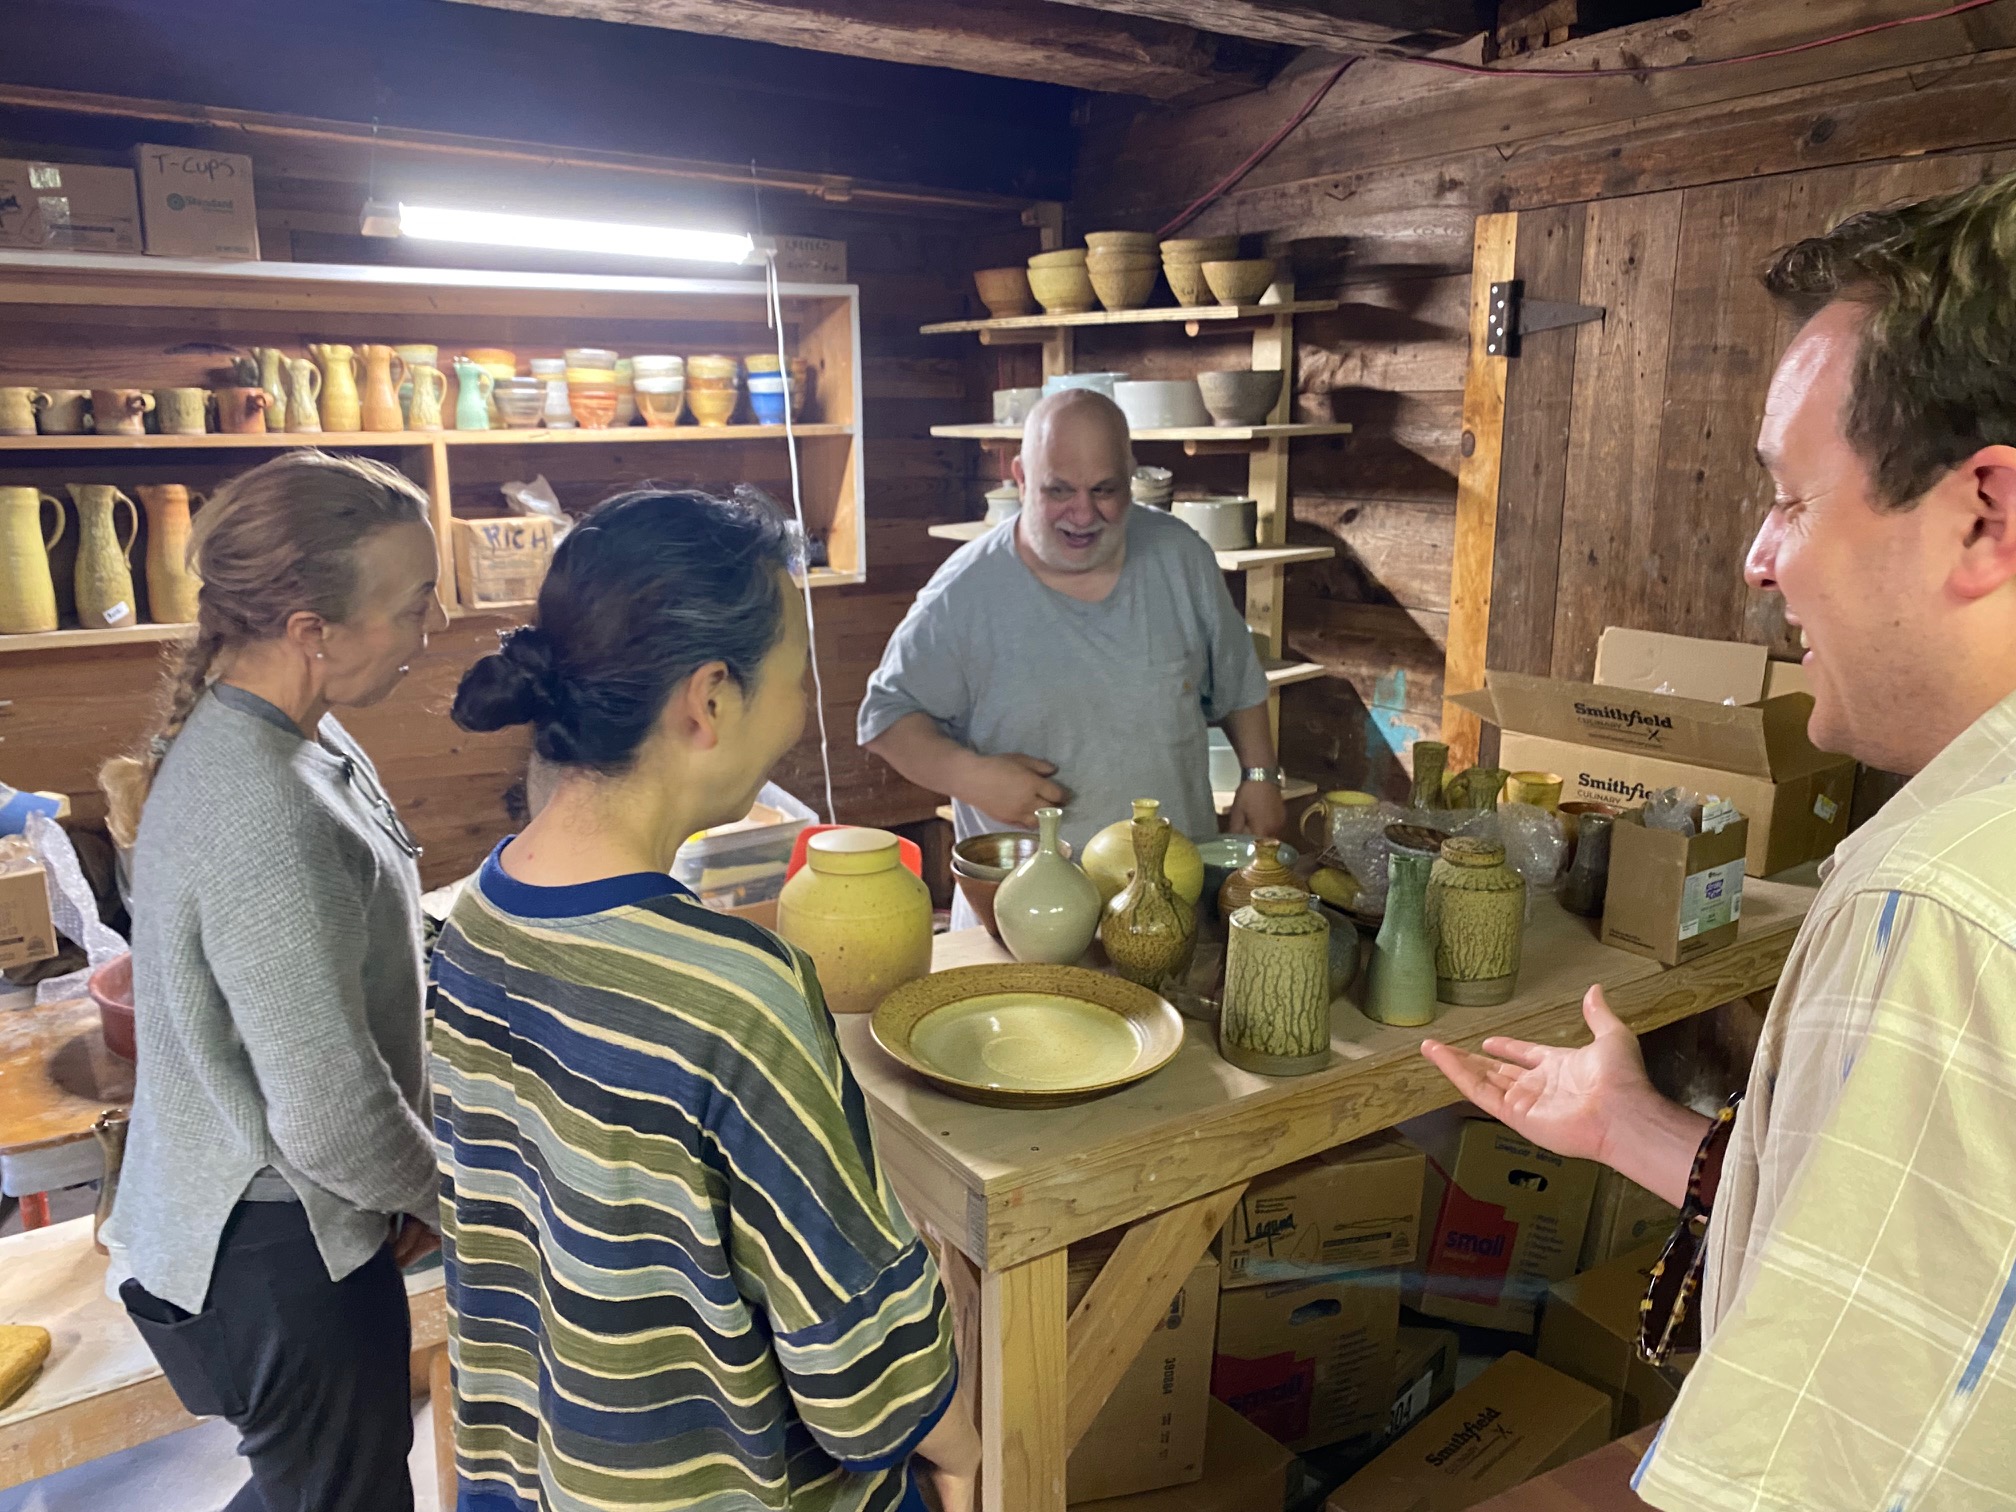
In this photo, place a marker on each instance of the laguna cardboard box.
(1310, 1362)
(1507, 1221)
(1244, 1471)
(1671, 711)
(27, 932)
(67, 207)
(1516, 1420)
(1590, 1331)
(1152, 1431)
(196, 203)
(1424, 1374)
(1354, 1208)
(1623, 1217)
(1674, 897)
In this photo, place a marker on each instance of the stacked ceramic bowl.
(982, 863)
(1239, 281)
(766, 387)
(1123, 265)
(1226, 522)
(1012, 405)
(521, 401)
(626, 392)
(1183, 265)
(1161, 404)
(1061, 282)
(1154, 486)
(1235, 396)
(713, 388)
(1005, 292)
(660, 386)
(591, 386)
(552, 372)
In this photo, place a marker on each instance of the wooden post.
(1022, 1375)
(1267, 483)
(441, 1395)
(440, 494)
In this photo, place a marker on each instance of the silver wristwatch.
(1261, 774)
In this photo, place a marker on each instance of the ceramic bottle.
(378, 404)
(104, 574)
(304, 396)
(1431, 765)
(472, 396)
(1400, 988)
(1047, 909)
(1276, 1014)
(341, 406)
(1588, 882)
(27, 590)
(1476, 912)
(859, 913)
(1148, 931)
(171, 586)
(273, 378)
(1264, 870)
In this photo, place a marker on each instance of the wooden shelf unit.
(1194, 318)
(72, 320)
(1252, 559)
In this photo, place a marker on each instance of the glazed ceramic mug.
(183, 411)
(121, 412)
(1331, 807)
(17, 410)
(68, 412)
(242, 411)
(1541, 789)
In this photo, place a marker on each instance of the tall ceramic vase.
(273, 379)
(1148, 931)
(1401, 985)
(104, 572)
(1047, 909)
(1276, 1014)
(27, 589)
(171, 586)
(341, 406)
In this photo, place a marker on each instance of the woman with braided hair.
(279, 1168)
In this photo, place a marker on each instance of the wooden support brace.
(1022, 1363)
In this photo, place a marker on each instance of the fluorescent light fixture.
(557, 234)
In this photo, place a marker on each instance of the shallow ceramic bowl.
(1200, 249)
(989, 858)
(1123, 289)
(1239, 397)
(1012, 405)
(1161, 403)
(1063, 290)
(1102, 383)
(1119, 241)
(1186, 282)
(1005, 292)
(1241, 281)
(1027, 1036)
(1226, 524)
(591, 357)
(1124, 257)
(1063, 257)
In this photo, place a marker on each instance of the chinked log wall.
(1628, 488)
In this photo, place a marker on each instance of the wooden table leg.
(442, 1393)
(1022, 1379)
(34, 1210)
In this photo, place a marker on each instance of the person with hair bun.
(677, 1275)
(279, 1167)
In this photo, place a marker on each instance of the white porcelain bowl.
(1226, 523)
(1161, 403)
(1100, 382)
(1012, 405)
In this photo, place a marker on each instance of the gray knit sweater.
(277, 988)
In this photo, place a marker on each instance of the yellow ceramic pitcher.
(104, 572)
(341, 407)
(27, 592)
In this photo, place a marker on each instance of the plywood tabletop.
(56, 1076)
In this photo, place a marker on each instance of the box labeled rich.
(67, 207)
(1674, 897)
(196, 203)
(1590, 1332)
(1354, 1208)
(1311, 1362)
(502, 560)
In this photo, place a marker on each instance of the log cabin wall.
(1628, 489)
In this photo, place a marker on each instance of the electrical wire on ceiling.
(1477, 71)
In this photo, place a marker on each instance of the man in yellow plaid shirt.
(1860, 1272)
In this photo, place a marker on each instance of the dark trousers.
(311, 1372)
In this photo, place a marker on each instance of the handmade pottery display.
(272, 363)
(1003, 503)
(861, 915)
(120, 412)
(1148, 930)
(1060, 257)
(552, 371)
(68, 412)
(1239, 396)
(1476, 911)
(1012, 405)
(590, 357)
(1227, 524)
(1153, 486)
(993, 857)
(18, 407)
(1541, 789)
(661, 401)
(104, 577)
(415, 354)
(1275, 1018)
(500, 363)
(473, 390)
(1062, 290)
(1005, 292)
(1225, 855)
(1431, 770)
(1400, 988)
(1123, 280)
(626, 392)
(1161, 404)
(1339, 803)
(171, 586)
(1476, 788)
(340, 405)
(761, 369)
(378, 403)
(1343, 947)
(1266, 869)
(1183, 265)
(1239, 281)
(713, 388)
(182, 411)
(766, 398)
(241, 411)
(1109, 859)
(1047, 910)
(593, 404)
(27, 589)
(1588, 882)
(426, 390)
(304, 396)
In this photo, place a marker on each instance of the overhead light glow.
(557, 234)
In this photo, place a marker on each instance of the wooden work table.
(1168, 1158)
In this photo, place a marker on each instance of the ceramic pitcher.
(414, 355)
(104, 574)
(304, 395)
(342, 407)
(171, 586)
(1400, 988)
(273, 378)
(472, 396)
(379, 403)
(425, 389)
(27, 591)
(1047, 909)
(1149, 933)
(1276, 1014)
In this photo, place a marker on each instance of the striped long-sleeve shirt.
(677, 1277)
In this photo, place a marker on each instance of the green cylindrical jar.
(1477, 914)
(1400, 985)
(1431, 766)
(1276, 1014)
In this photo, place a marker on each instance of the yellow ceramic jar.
(862, 917)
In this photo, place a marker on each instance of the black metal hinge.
(1512, 316)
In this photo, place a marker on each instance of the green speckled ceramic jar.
(1476, 914)
(1276, 1014)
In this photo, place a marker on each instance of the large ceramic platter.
(1027, 1036)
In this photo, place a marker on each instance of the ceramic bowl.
(521, 407)
(1063, 290)
(1123, 257)
(1153, 486)
(1099, 382)
(1063, 257)
(593, 407)
(1225, 523)
(604, 376)
(991, 857)
(661, 407)
(1127, 289)
(1239, 396)
(713, 366)
(1186, 282)
(1199, 249)
(111, 988)
(1005, 292)
(549, 367)
(492, 357)
(712, 407)
(1027, 1036)
(1012, 406)
(1119, 241)
(1240, 282)
(591, 357)
(1003, 503)
(1161, 403)
(979, 896)
(657, 367)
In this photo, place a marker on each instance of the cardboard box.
(1355, 1208)
(1152, 1431)
(1618, 741)
(27, 932)
(67, 207)
(1675, 897)
(1516, 1420)
(1623, 1217)
(502, 560)
(1424, 1375)
(1310, 1362)
(1590, 1332)
(1508, 1221)
(1244, 1471)
(811, 259)
(196, 203)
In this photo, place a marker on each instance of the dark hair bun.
(511, 686)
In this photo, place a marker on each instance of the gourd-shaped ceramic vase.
(341, 406)
(104, 572)
(1148, 931)
(171, 586)
(304, 396)
(1047, 909)
(473, 388)
(1276, 1014)
(1588, 884)
(27, 588)
(1431, 765)
(1264, 870)
(1400, 988)
(273, 379)
(1477, 913)
(378, 405)
(863, 918)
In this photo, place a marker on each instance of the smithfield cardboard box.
(1152, 1431)
(1244, 1471)
(67, 207)
(1310, 1362)
(1507, 1221)
(1623, 1217)
(1354, 1208)
(1674, 897)
(502, 560)
(1424, 1374)
(1590, 1331)
(1671, 711)
(1516, 1420)
(27, 933)
(196, 203)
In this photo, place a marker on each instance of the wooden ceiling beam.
(1016, 39)
(1370, 26)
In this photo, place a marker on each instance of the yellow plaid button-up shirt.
(1862, 1255)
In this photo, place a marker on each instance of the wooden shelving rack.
(83, 321)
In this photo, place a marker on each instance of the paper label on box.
(1825, 808)
(1713, 898)
(1412, 1402)
(1717, 815)
(44, 176)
